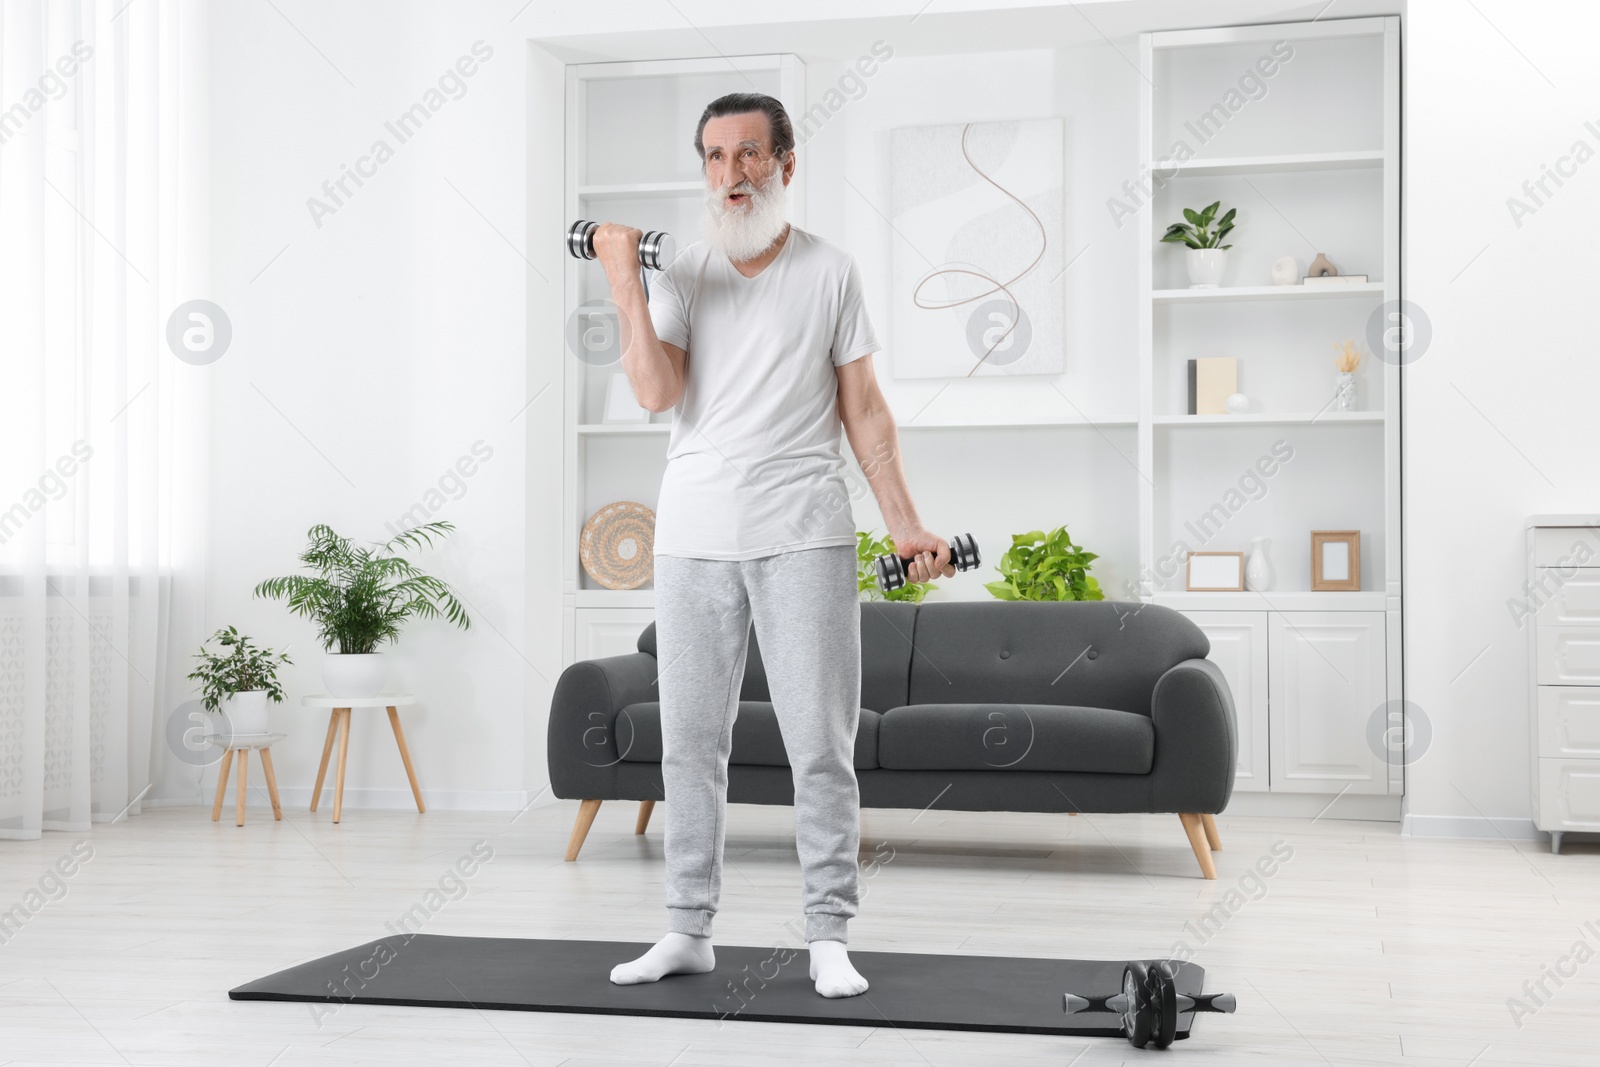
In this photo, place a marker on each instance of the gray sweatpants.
(807, 614)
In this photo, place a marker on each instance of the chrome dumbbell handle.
(892, 568)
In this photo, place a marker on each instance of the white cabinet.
(1306, 686)
(1327, 682)
(1239, 649)
(602, 632)
(1561, 613)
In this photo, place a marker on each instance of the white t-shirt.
(753, 462)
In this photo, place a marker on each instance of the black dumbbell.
(656, 247)
(892, 568)
(1150, 1003)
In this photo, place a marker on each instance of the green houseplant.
(239, 681)
(359, 597)
(867, 552)
(1045, 566)
(1207, 255)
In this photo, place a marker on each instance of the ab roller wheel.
(892, 568)
(1150, 1003)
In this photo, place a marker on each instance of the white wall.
(1499, 419)
(370, 354)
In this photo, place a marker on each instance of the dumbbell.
(892, 568)
(1150, 1003)
(656, 247)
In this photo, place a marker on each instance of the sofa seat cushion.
(757, 741)
(1021, 737)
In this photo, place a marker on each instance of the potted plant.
(1045, 566)
(867, 553)
(238, 682)
(359, 597)
(1207, 254)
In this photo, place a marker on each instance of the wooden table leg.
(272, 783)
(327, 750)
(244, 765)
(222, 785)
(405, 756)
(344, 753)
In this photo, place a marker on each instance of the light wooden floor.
(1362, 948)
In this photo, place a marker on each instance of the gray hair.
(740, 104)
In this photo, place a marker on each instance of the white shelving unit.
(1309, 669)
(630, 158)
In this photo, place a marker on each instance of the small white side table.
(339, 722)
(242, 744)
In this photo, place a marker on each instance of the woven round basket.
(616, 545)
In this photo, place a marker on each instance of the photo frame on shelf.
(1336, 560)
(621, 406)
(1214, 572)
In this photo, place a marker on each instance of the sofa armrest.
(1197, 741)
(581, 745)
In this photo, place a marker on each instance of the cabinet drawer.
(1569, 794)
(1569, 722)
(1566, 546)
(1573, 597)
(1569, 655)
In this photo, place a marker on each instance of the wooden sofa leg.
(1213, 838)
(645, 808)
(580, 829)
(1197, 841)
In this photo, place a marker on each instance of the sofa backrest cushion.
(887, 628)
(1099, 654)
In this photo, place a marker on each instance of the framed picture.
(620, 403)
(1336, 560)
(1215, 572)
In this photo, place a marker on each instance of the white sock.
(831, 969)
(674, 954)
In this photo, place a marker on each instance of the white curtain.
(102, 427)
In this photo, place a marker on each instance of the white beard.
(746, 230)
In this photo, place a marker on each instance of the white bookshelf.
(1315, 157)
(630, 158)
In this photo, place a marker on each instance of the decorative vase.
(1344, 390)
(1206, 266)
(1238, 404)
(354, 674)
(1257, 574)
(244, 713)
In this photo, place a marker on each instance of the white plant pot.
(1206, 266)
(354, 674)
(244, 713)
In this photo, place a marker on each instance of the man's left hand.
(929, 555)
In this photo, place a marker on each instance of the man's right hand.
(617, 248)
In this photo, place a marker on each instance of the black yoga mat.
(1005, 994)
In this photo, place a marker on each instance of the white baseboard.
(1508, 827)
(1314, 805)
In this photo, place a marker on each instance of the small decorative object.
(1257, 572)
(1238, 404)
(1215, 572)
(1207, 254)
(1212, 379)
(1336, 560)
(360, 597)
(621, 406)
(1321, 267)
(617, 545)
(1045, 566)
(1344, 387)
(239, 684)
(1285, 271)
(1337, 279)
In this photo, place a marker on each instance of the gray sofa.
(1068, 706)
